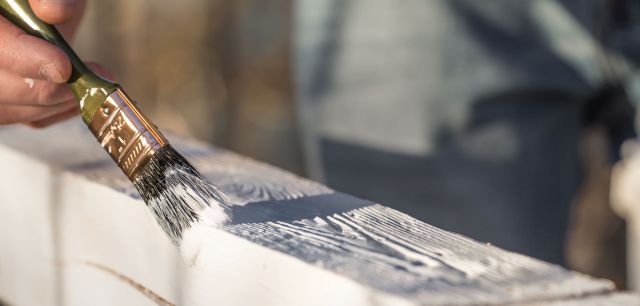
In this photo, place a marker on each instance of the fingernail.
(52, 73)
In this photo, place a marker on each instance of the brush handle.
(90, 90)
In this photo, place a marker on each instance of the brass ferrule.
(124, 132)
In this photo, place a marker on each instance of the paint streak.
(29, 82)
(196, 244)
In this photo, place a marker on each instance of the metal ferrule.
(124, 132)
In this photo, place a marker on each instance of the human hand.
(625, 181)
(33, 71)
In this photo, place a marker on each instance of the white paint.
(112, 229)
(236, 272)
(213, 215)
(27, 257)
(198, 237)
(29, 82)
(392, 252)
(196, 241)
(366, 256)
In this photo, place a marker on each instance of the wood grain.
(395, 253)
(614, 299)
(243, 179)
(380, 249)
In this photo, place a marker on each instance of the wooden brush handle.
(90, 90)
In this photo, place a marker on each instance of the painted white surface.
(292, 241)
(232, 271)
(114, 230)
(27, 239)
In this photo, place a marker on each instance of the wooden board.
(614, 299)
(287, 230)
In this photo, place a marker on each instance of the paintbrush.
(176, 193)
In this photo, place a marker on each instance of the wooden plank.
(28, 266)
(292, 241)
(613, 299)
(392, 252)
(54, 221)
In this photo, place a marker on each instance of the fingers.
(65, 115)
(32, 71)
(56, 11)
(38, 103)
(65, 14)
(24, 91)
(69, 26)
(74, 110)
(31, 57)
(10, 114)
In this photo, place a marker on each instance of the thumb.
(56, 11)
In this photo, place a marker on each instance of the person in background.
(464, 114)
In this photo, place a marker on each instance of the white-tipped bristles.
(179, 196)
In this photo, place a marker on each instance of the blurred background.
(218, 71)
(500, 120)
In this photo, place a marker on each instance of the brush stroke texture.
(378, 247)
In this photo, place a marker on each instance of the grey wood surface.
(613, 299)
(377, 247)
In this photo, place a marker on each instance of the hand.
(33, 71)
(625, 182)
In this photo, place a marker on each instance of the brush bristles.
(178, 195)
